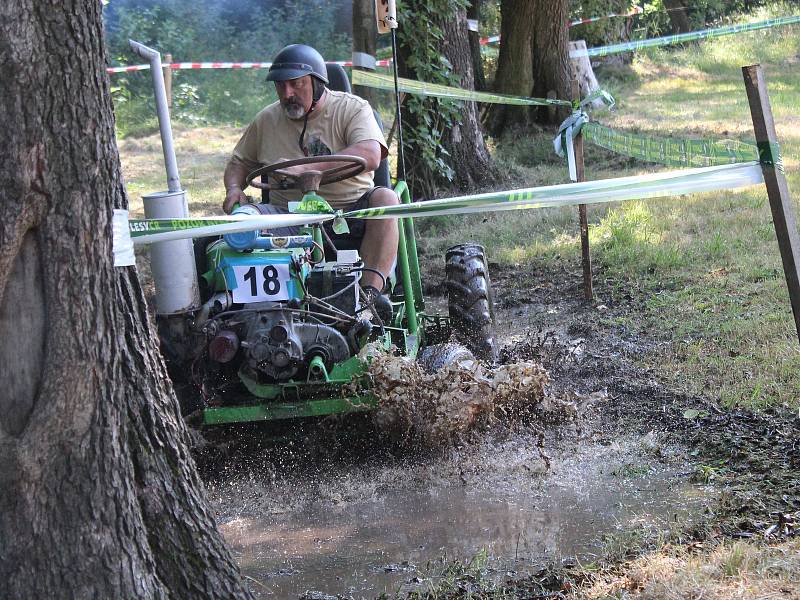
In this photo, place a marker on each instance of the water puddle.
(378, 531)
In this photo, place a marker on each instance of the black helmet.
(297, 60)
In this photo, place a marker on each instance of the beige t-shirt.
(343, 120)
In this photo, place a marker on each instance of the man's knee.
(383, 197)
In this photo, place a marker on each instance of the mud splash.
(436, 409)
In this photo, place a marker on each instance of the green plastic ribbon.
(311, 204)
(598, 94)
(563, 142)
(340, 225)
(769, 154)
(685, 37)
(410, 86)
(149, 231)
(651, 185)
(572, 125)
(674, 152)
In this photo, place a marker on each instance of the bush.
(207, 30)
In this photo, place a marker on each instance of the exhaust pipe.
(172, 263)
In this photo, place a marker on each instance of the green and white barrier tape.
(652, 185)
(410, 86)
(671, 152)
(149, 231)
(679, 152)
(385, 82)
(563, 142)
(685, 37)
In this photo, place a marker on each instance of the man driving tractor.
(311, 120)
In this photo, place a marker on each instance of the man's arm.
(234, 179)
(369, 150)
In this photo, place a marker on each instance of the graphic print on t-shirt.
(316, 147)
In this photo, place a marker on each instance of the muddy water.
(371, 528)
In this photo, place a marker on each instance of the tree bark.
(514, 64)
(677, 16)
(464, 141)
(365, 31)
(99, 497)
(473, 13)
(550, 49)
(425, 129)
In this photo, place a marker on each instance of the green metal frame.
(320, 394)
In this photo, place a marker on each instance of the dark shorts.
(345, 241)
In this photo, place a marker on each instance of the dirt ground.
(750, 462)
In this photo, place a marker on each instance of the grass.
(732, 570)
(706, 266)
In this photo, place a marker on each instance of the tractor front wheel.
(470, 299)
(439, 356)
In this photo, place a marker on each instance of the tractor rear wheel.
(470, 299)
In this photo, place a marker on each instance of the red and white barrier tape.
(636, 10)
(223, 65)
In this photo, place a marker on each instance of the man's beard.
(294, 110)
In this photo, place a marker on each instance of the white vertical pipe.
(172, 263)
(173, 179)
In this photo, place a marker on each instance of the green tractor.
(256, 327)
(284, 332)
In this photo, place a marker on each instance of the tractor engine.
(274, 311)
(275, 344)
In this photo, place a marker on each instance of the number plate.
(261, 283)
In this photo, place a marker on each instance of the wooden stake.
(586, 259)
(778, 191)
(168, 78)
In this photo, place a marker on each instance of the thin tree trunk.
(677, 16)
(550, 55)
(514, 65)
(473, 13)
(365, 31)
(99, 497)
(470, 159)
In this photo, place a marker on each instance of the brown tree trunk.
(99, 497)
(365, 31)
(464, 141)
(677, 16)
(473, 14)
(425, 125)
(550, 49)
(514, 65)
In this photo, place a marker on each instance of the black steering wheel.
(307, 181)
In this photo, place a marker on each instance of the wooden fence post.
(168, 78)
(586, 259)
(780, 202)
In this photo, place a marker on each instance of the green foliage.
(430, 117)
(207, 30)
